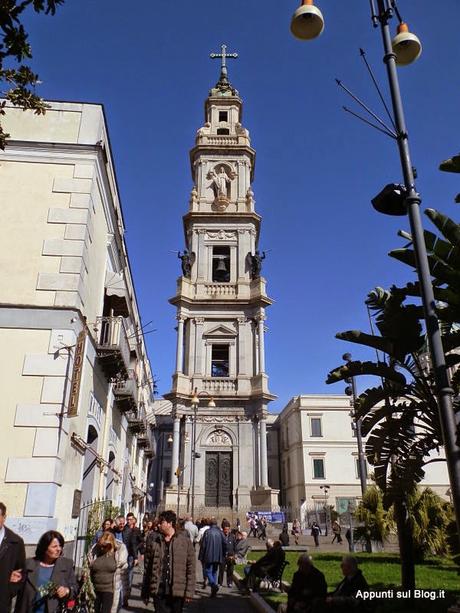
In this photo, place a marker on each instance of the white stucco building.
(75, 375)
(319, 456)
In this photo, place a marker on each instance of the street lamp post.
(308, 23)
(351, 542)
(159, 485)
(357, 422)
(195, 401)
(326, 489)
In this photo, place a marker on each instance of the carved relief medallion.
(219, 438)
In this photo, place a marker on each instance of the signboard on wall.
(76, 503)
(270, 516)
(78, 361)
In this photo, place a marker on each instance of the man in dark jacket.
(229, 563)
(12, 562)
(212, 554)
(343, 598)
(170, 560)
(308, 584)
(132, 537)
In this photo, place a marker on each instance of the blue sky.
(317, 168)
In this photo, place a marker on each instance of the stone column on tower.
(175, 450)
(180, 343)
(263, 452)
(261, 326)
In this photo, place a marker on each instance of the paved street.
(325, 545)
(229, 598)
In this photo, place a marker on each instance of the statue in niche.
(186, 263)
(256, 263)
(220, 182)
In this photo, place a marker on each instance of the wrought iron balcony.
(112, 346)
(144, 438)
(136, 424)
(126, 392)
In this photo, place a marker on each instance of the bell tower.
(221, 301)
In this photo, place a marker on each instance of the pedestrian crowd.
(46, 582)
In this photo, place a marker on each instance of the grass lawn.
(382, 571)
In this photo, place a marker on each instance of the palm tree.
(430, 516)
(378, 523)
(401, 414)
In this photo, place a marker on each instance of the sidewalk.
(228, 599)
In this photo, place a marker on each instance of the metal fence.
(90, 519)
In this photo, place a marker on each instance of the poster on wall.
(273, 517)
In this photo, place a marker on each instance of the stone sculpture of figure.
(256, 263)
(193, 196)
(241, 131)
(250, 202)
(186, 263)
(221, 182)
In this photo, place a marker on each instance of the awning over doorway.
(116, 290)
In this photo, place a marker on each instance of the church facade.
(219, 396)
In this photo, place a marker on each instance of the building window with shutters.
(318, 468)
(315, 426)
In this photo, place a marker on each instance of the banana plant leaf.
(442, 250)
(375, 395)
(353, 369)
(447, 295)
(370, 340)
(452, 359)
(377, 415)
(448, 228)
(451, 340)
(438, 269)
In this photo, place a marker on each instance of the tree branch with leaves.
(17, 78)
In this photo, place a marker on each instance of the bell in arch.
(221, 269)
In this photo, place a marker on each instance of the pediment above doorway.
(220, 331)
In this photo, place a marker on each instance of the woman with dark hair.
(105, 527)
(49, 579)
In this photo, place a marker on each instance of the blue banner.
(273, 517)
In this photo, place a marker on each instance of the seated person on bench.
(267, 565)
(344, 599)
